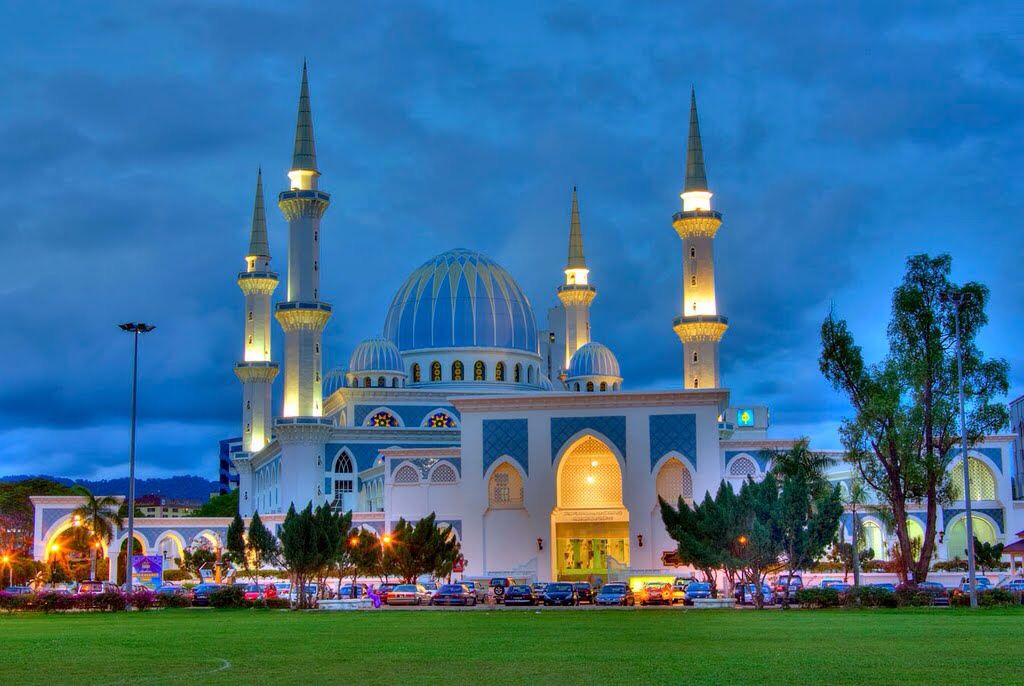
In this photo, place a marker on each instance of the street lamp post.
(134, 328)
(958, 299)
(9, 563)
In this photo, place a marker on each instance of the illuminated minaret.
(256, 371)
(303, 315)
(576, 294)
(700, 327)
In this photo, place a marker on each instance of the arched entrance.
(589, 524)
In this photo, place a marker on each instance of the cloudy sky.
(837, 144)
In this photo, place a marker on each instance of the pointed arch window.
(604, 386)
(440, 420)
(444, 474)
(695, 382)
(380, 382)
(499, 371)
(479, 371)
(458, 373)
(693, 279)
(674, 481)
(742, 466)
(505, 487)
(406, 475)
(366, 382)
(517, 373)
(590, 387)
(693, 252)
(435, 371)
(529, 375)
(416, 372)
(695, 357)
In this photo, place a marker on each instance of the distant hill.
(185, 487)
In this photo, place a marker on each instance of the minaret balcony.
(256, 371)
(700, 327)
(302, 315)
(576, 294)
(696, 223)
(257, 282)
(298, 202)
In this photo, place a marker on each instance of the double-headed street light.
(133, 328)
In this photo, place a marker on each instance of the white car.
(408, 594)
(311, 594)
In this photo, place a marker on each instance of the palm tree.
(857, 498)
(99, 516)
(800, 460)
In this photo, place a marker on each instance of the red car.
(255, 592)
(657, 594)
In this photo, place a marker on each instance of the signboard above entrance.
(608, 514)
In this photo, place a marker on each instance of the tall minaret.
(700, 327)
(576, 294)
(257, 371)
(303, 315)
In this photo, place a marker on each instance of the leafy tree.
(99, 519)
(17, 515)
(841, 553)
(223, 505)
(235, 548)
(421, 548)
(263, 547)
(987, 555)
(195, 559)
(807, 525)
(757, 549)
(905, 423)
(699, 532)
(310, 542)
(364, 555)
(855, 500)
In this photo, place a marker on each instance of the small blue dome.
(545, 382)
(333, 380)
(376, 355)
(461, 299)
(593, 359)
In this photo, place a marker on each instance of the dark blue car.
(615, 594)
(696, 589)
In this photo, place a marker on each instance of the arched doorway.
(590, 525)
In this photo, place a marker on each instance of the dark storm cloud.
(839, 139)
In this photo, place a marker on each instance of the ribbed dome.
(376, 354)
(545, 382)
(461, 299)
(333, 380)
(593, 359)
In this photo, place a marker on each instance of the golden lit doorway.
(589, 524)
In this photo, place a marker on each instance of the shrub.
(9, 602)
(173, 600)
(109, 601)
(52, 601)
(869, 596)
(908, 596)
(226, 596)
(177, 575)
(142, 599)
(818, 597)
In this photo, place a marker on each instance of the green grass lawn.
(461, 648)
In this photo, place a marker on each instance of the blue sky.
(838, 141)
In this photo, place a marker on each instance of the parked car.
(983, 582)
(201, 593)
(561, 593)
(938, 592)
(787, 586)
(350, 591)
(584, 591)
(18, 590)
(312, 593)
(252, 592)
(383, 590)
(95, 587)
(481, 594)
(1015, 585)
(829, 583)
(454, 594)
(497, 586)
(430, 587)
(696, 589)
(679, 590)
(745, 594)
(520, 594)
(407, 594)
(615, 594)
(657, 593)
(538, 589)
(885, 586)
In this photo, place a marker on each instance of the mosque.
(526, 440)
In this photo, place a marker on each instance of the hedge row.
(116, 601)
(873, 596)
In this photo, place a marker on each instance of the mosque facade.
(525, 439)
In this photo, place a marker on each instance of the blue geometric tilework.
(613, 428)
(506, 437)
(412, 415)
(995, 513)
(755, 454)
(676, 432)
(366, 454)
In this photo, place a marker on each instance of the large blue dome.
(460, 299)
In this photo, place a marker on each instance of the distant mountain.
(185, 487)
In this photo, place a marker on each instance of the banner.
(147, 570)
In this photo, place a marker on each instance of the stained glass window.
(479, 372)
(416, 373)
(435, 371)
(383, 418)
(440, 420)
(499, 371)
(457, 372)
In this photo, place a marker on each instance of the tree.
(309, 545)
(263, 547)
(841, 554)
(193, 560)
(807, 524)
(756, 550)
(99, 518)
(223, 505)
(364, 555)
(17, 513)
(235, 546)
(421, 548)
(987, 555)
(700, 532)
(855, 500)
(904, 427)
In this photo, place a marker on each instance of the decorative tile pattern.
(366, 454)
(995, 513)
(670, 432)
(505, 437)
(412, 415)
(613, 428)
(754, 454)
(425, 464)
(50, 517)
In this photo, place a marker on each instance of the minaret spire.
(695, 178)
(575, 260)
(258, 244)
(304, 153)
